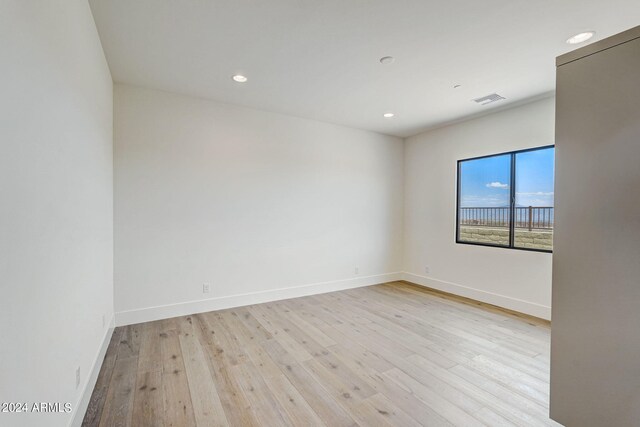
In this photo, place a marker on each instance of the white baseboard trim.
(83, 402)
(510, 303)
(200, 306)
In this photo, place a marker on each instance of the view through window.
(506, 200)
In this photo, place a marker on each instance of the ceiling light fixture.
(387, 60)
(239, 78)
(581, 37)
(388, 115)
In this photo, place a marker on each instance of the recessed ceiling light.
(239, 78)
(388, 115)
(580, 38)
(387, 60)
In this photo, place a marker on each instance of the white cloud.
(538, 198)
(539, 193)
(469, 201)
(498, 184)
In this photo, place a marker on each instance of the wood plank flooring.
(386, 355)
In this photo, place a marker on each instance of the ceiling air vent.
(489, 99)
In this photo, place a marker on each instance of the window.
(506, 200)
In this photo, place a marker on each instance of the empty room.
(320, 213)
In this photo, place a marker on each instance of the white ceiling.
(319, 58)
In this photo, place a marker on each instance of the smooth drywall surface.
(595, 339)
(519, 280)
(248, 202)
(56, 220)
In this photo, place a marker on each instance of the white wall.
(251, 202)
(515, 279)
(56, 220)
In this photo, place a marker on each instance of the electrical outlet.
(77, 377)
(426, 270)
(356, 270)
(205, 288)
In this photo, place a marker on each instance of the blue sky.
(485, 182)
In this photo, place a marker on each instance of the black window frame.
(512, 200)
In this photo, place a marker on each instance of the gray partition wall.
(595, 331)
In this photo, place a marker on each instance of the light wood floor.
(392, 354)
